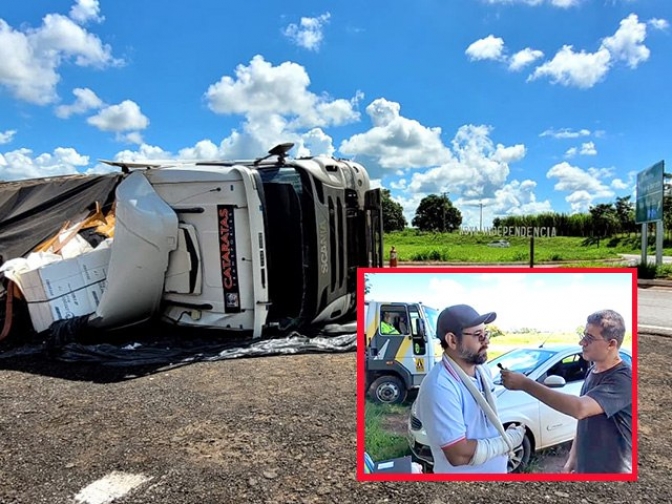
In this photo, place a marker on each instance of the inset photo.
(502, 374)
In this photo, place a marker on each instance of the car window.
(572, 368)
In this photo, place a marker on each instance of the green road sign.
(649, 207)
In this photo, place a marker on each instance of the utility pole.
(481, 204)
(445, 200)
(481, 224)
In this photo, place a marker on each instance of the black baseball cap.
(455, 318)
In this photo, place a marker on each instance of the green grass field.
(380, 443)
(413, 245)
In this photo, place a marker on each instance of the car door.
(557, 427)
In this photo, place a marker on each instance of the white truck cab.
(401, 348)
(246, 246)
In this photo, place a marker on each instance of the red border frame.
(361, 382)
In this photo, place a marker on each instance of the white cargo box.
(65, 289)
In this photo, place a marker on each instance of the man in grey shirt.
(603, 441)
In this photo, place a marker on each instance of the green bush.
(646, 270)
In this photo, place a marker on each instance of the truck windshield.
(432, 318)
(290, 217)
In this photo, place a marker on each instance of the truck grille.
(416, 424)
(337, 239)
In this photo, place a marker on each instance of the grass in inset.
(380, 443)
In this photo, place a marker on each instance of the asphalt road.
(654, 314)
(636, 259)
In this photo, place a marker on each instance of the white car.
(499, 244)
(559, 366)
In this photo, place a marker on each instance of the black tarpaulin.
(32, 211)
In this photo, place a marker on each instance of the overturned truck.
(253, 247)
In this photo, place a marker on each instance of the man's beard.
(471, 357)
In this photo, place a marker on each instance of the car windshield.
(524, 360)
(432, 318)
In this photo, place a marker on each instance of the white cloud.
(315, 143)
(122, 117)
(309, 32)
(584, 186)
(30, 58)
(204, 150)
(509, 154)
(476, 169)
(21, 163)
(588, 149)
(565, 133)
(516, 198)
(523, 58)
(627, 44)
(618, 184)
(86, 100)
(261, 90)
(565, 3)
(7, 136)
(134, 137)
(409, 201)
(70, 156)
(396, 141)
(86, 10)
(570, 68)
(585, 69)
(490, 47)
(579, 201)
(144, 153)
(659, 24)
(398, 184)
(555, 3)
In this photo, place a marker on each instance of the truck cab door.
(422, 352)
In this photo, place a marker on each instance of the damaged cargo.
(253, 247)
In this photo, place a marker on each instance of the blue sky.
(525, 105)
(543, 301)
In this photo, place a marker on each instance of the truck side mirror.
(420, 328)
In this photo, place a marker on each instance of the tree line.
(437, 213)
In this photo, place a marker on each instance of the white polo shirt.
(449, 413)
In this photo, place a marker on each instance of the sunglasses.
(482, 336)
(589, 338)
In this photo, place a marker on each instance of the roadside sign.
(649, 206)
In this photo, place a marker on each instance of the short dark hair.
(611, 323)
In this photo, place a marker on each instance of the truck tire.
(388, 389)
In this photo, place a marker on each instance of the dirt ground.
(261, 430)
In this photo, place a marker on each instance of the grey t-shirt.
(605, 440)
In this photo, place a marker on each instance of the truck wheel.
(388, 390)
(521, 456)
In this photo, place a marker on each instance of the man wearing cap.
(462, 436)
